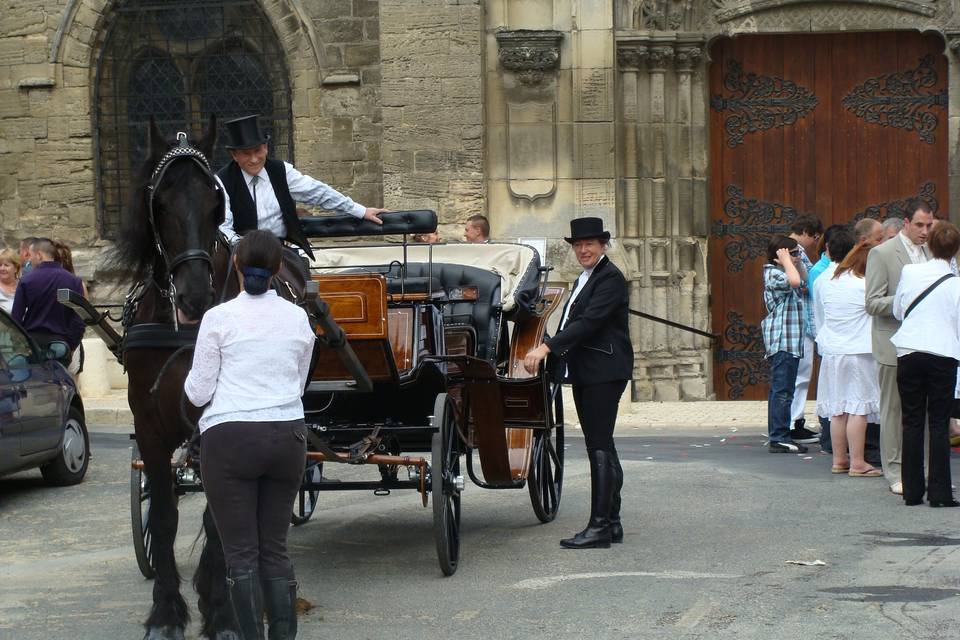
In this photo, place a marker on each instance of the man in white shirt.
(262, 193)
(884, 265)
(807, 230)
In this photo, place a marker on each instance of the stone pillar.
(662, 164)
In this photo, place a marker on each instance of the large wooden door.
(839, 125)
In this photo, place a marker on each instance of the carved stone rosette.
(529, 53)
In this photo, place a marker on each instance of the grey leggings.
(251, 474)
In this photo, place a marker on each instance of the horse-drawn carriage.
(419, 364)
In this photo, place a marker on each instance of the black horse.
(171, 246)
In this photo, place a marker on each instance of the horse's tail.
(210, 579)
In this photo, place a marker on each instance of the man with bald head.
(869, 232)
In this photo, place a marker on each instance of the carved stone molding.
(662, 15)
(656, 54)
(727, 10)
(529, 53)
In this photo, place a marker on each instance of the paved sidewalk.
(113, 414)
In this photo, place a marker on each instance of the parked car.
(41, 414)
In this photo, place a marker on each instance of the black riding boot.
(597, 533)
(280, 597)
(247, 600)
(616, 529)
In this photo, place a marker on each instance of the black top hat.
(586, 228)
(245, 133)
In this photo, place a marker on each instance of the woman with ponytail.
(250, 368)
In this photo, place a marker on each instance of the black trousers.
(926, 383)
(251, 474)
(597, 406)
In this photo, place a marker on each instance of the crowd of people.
(29, 280)
(881, 309)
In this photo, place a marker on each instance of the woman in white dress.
(9, 277)
(848, 391)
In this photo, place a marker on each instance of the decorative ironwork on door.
(751, 223)
(744, 360)
(906, 100)
(898, 208)
(759, 102)
(181, 62)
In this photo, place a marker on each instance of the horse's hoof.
(227, 635)
(164, 633)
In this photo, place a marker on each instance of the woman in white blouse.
(250, 367)
(9, 277)
(927, 303)
(848, 391)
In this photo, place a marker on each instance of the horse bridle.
(182, 150)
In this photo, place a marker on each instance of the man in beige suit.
(884, 264)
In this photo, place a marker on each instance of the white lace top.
(251, 361)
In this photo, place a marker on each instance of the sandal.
(839, 469)
(872, 472)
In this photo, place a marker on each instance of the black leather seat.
(482, 314)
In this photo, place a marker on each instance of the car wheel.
(70, 465)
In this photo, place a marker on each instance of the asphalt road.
(711, 522)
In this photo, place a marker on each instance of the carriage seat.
(481, 314)
(420, 285)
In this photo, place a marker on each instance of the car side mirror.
(55, 351)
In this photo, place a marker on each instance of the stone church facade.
(531, 112)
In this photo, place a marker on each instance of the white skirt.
(848, 384)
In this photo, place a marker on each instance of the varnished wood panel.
(358, 303)
(830, 159)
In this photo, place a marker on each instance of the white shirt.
(934, 325)
(846, 324)
(824, 276)
(302, 187)
(6, 300)
(577, 288)
(916, 252)
(251, 361)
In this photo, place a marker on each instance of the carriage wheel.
(306, 502)
(140, 516)
(545, 478)
(446, 484)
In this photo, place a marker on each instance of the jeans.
(783, 380)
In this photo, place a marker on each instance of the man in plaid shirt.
(783, 337)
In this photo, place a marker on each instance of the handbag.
(925, 293)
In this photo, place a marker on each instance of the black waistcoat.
(241, 202)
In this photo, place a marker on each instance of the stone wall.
(432, 100)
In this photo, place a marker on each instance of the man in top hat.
(262, 193)
(592, 350)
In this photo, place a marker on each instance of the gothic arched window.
(182, 63)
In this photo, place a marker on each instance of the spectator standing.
(927, 303)
(807, 231)
(783, 337)
(9, 277)
(884, 264)
(847, 391)
(35, 306)
(477, 230)
(839, 242)
(427, 238)
(891, 227)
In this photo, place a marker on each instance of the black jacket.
(595, 342)
(241, 204)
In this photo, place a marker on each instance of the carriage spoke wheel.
(306, 501)
(446, 484)
(140, 516)
(545, 479)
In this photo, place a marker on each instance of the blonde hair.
(11, 256)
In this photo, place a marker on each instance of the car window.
(14, 344)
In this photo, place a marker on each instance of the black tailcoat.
(595, 342)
